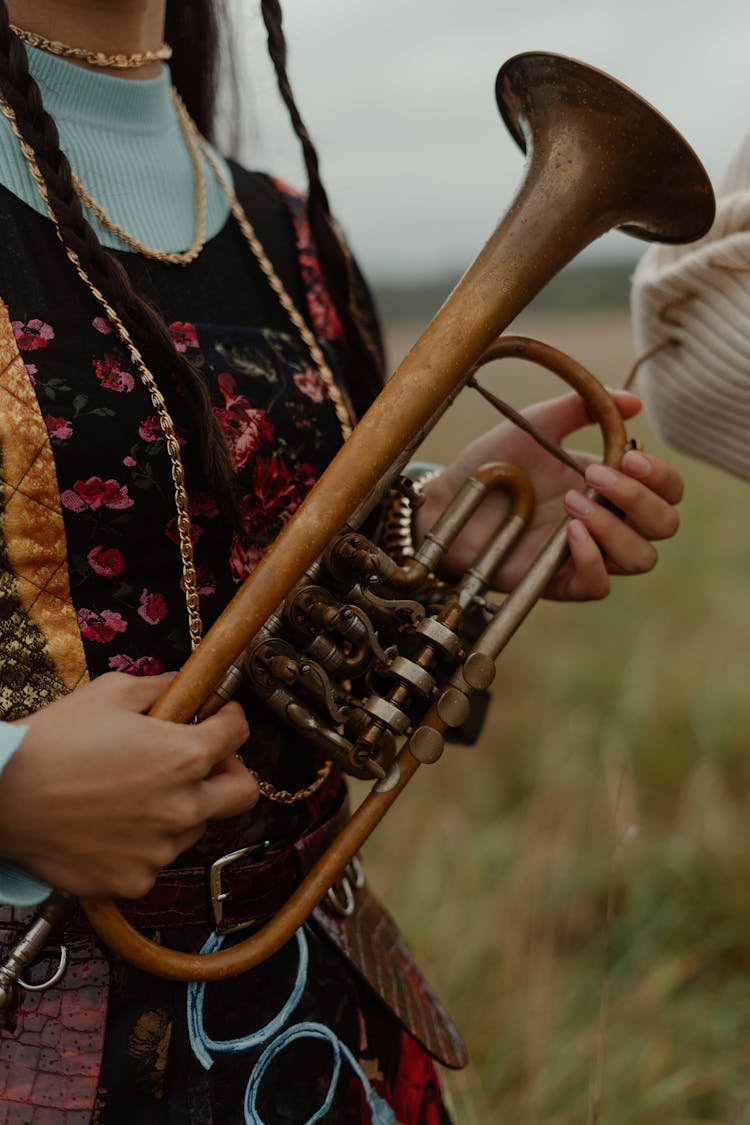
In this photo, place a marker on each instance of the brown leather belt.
(238, 887)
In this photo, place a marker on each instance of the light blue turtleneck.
(123, 139)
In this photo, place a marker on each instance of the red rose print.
(276, 494)
(96, 493)
(325, 319)
(243, 426)
(143, 666)
(32, 335)
(110, 374)
(152, 608)
(106, 561)
(150, 429)
(58, 428)
(101, 324)
(311, 384)
(183, 335)
(100, 627)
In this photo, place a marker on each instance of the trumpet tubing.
(598, 157)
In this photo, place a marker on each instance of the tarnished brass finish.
(426, 745)
(453, 707)
(599, 158)
(478, 671)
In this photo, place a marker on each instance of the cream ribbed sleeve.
(697, 389)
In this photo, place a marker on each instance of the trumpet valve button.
(479, 671)
(426, 745)
(453, 707)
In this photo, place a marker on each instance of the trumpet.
(367, 655)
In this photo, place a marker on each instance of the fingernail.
(637, 464)
(578, 530)
(601, 476)
(579, 503)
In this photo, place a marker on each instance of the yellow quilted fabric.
(41, 654)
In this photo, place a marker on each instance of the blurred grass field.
(577, 886)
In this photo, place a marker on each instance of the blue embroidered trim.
(203, 1046)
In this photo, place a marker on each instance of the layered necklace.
(133, 61)
(198, 150)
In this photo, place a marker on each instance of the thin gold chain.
(184, 525)
(285, 796)
(117, 61)
(176, 257)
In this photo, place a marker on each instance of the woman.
(171, 389)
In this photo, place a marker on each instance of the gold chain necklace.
(184, 524)
(177, 257)
(94, 58)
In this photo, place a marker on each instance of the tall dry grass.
(578, 884)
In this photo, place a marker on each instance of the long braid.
(335, 260)
(146, 327)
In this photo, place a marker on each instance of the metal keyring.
(57, 976)
(345, 908)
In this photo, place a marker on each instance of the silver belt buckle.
(219, 895)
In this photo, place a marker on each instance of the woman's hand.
(99, 797)
(646, 491)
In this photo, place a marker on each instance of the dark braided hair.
(335, 260)
(147, 329)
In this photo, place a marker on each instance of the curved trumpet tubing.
(598, 157)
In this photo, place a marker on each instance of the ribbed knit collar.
(124, 142)
(103, 101)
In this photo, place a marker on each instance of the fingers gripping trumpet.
(368, 656)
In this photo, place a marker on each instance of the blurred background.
(577, 885)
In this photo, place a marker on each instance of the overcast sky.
(399, 97)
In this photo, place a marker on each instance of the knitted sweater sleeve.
(692, 303)
(16, 886)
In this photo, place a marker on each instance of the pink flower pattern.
(143, 666)
(59, 429)
(100, 627)
(32, 335)
(152, 607)
(184, 335)
(111, 375)
(107, 562)
(94, 493)
(310, 383)
(115, 476)
(243, 426)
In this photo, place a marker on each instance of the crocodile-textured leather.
(49, 1063)
(370, 941)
